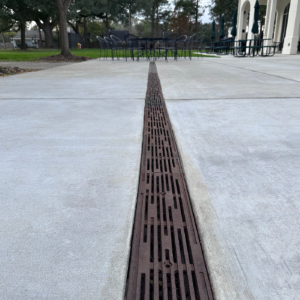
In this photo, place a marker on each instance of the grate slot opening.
(181, 247)
(170, 214)
(145, 233)
(165, 230)
(164, 210)
(143, 284)
(181, 210)
(167, 183)
(188, 245)
(195, 284)
(169, 283)
(177, 284)
(186, 286)
(151, 243)
(160, 285)
(152, 184)
(146, 208)
(175, 202)
(158, 209)
(169, 163)
(178, 188)
(159, 243)
(151, 284)
(173, 245)
(172, 185)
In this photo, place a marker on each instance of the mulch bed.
(61, 58)
(6, 71)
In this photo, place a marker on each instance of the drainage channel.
(166, 256)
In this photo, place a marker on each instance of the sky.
(206, 18)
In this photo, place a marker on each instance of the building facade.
(282, 22)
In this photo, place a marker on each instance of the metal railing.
(243, 48)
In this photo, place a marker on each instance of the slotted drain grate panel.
(166, 255)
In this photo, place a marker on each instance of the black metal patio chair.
(103, 48)
(110, 46)
(199, 44)
(119, 45)
(180, 44)
(168, 45)
(135, 47)
(188, 46)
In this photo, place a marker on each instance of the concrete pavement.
(70, 144)
(32, 65)
(237, 126)
(229, 77)
(93, 79)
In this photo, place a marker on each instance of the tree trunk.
(179, 27)
(196, 21)
(47, 28)
(75, 27)
(23, 42)
(107, 25)
(4, 43)
(157, 21)
(129, 19)
(48, 36)
(107, 20)
(63, 37)
(40, 36)
(85, 32)
(220, 22)
(152, 21)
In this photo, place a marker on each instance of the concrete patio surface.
(237, 126)
(32, 64)
(93, 79)
(70, 144)
(229, 77)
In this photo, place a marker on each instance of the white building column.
(278, 24)
(251, 20)
(292, 32)
(267, 18)
(240, 20)
(270, 19)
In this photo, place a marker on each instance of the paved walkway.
(32, 65)
(70, 144)
(237, 124)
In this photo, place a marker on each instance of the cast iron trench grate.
(166, 256)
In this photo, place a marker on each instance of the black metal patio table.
(150, 45)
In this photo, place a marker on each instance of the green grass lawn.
(35, 55)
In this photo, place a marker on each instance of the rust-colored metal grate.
(166, 256)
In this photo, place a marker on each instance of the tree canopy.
(142, 17)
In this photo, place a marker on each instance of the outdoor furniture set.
(134, 47)
(243, 48)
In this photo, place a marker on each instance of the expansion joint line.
(166, 260)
